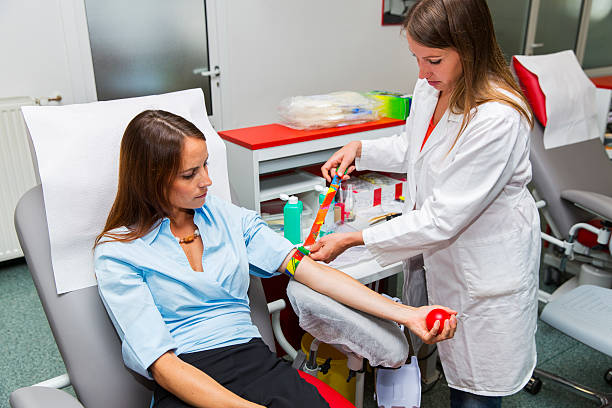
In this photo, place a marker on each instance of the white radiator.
(16, 171)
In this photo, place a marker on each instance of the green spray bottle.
(292, 218)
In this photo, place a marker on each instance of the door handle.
(537, 45)
(216, 72)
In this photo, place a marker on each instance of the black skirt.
(253, 372)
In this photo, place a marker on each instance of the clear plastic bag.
(328, 110)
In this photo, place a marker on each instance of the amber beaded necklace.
(190, 238)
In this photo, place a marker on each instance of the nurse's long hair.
(467, 27)
(149, 161)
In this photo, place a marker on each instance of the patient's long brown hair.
(467, 27)
(149, 161)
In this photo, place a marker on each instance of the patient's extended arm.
(193, 386)
(345, 289)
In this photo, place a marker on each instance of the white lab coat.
(477, 227)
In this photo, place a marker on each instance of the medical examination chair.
(86, 338)
(573, 186)
(575, 192)
(84, 334)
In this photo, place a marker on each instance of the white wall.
(267, 50)
(45, 50)
(272, 49)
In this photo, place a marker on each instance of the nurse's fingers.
(326, 168)
(345, 166)
(344, 173)
(317, 253)
(329, 168)
(327, 248)
(341, 160)
(323, 254)
(349, 171)
(315, 247)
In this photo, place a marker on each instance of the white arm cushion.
(380, 341)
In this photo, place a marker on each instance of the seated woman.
(173, 267)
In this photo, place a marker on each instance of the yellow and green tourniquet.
(316, 227)
(295, 260)
(320, 218)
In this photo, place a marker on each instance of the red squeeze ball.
(436, 314)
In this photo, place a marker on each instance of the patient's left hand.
(416, 324)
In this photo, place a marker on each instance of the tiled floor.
(556, 353)
(28, 352)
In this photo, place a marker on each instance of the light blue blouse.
(158, 303)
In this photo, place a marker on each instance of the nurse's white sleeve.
(130, 306)
(387, 153)
(485, 161)
(384, 154)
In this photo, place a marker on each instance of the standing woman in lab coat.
(465, 151)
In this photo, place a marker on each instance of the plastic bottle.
(292, 218)
(329, 224)
(349, 203)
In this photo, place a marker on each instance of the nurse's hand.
(341, 161)
(328, 247)
(416, 324)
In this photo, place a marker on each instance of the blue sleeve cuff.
(266, 250)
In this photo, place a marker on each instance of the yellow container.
(338, 371)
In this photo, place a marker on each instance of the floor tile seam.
(590, 349)
(558, 353)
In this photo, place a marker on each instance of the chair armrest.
(274, 309)
(43, 397)
(598, 204)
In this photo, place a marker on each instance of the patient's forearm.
(349, 291)
(192, 385)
